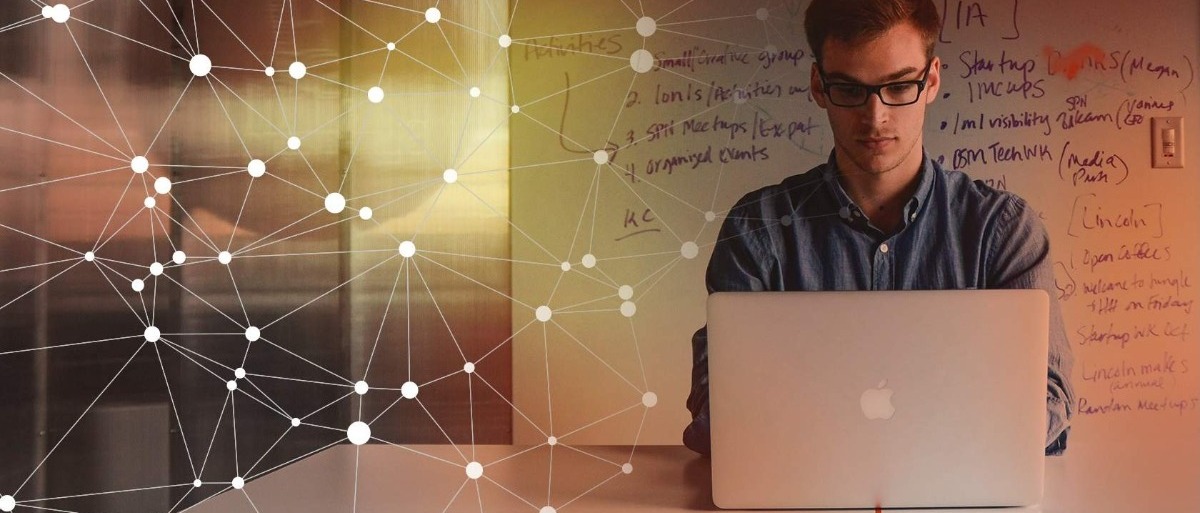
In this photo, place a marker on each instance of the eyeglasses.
(895, 94)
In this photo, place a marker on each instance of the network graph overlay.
(248, 168)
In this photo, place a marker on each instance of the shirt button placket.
(882, 268)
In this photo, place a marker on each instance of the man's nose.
(875, 112)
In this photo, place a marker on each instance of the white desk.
(664, 479)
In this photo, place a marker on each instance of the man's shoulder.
(788, 192)
(978, 195)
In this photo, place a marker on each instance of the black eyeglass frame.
(876, 90)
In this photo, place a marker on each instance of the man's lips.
(876, 143)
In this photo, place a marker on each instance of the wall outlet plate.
(1166, 142)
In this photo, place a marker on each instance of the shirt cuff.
(696, 435)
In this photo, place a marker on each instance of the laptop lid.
(877, 398)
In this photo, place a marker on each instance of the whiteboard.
(1050, 100)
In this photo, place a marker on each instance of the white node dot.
(7, 503)
(475, 92)
(152, 334)
(139, 164)
(224, 257)
(547, 509)
(646, 26)
(566, 266)
(515, 109)
(710, 216)
(589, 260)
(771, 49)
(785, 220)
(625, 292)
(361, 388)
(650, 399)
(641, 60)
(200, 65)
(366, 213)
(162, 185)
(450, 176)
(543, 313)
(601, 157)
(47, 11)
(239, 373)
(253, 334)
(469, 368)
(627, 468)
(505, 41)
(156, 269)
(270, 71)
(61, 13)
(762, 14)
(138, 285)
(358, 433)
(149, 202)
(408, 249)
(293, 143)
(552, 440)
(231, 385)
(375, 94)
(295, 422)
(179, 257)
(197, 483)
(258, 168)
(391, 47)
(474, 470)
(740, 96)
(689, 250)
(297, 70)
(238, 483)
(628, 308)
(89, 256)
(335, 203)
(433, 15)
(409, 390)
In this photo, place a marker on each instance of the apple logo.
(877, 402)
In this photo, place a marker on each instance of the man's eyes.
(900, 87)
(849, 89)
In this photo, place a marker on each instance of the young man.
(880, 214)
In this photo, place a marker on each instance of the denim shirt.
(806, 234)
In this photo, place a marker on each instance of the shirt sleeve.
(1019, 258)
(738, 263)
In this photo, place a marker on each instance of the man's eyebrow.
(842, 77)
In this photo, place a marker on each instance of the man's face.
(876, 138)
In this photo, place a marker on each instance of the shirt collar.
(851, 212)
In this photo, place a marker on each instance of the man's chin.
(877, 165)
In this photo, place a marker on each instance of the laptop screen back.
(880, 398)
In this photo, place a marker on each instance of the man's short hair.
(856, 21)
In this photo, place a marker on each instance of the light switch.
(1166, 142)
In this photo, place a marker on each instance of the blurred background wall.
(333, 300)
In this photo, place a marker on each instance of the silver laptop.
(893, 399)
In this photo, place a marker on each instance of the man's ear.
(814, 84)
(933, 82)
